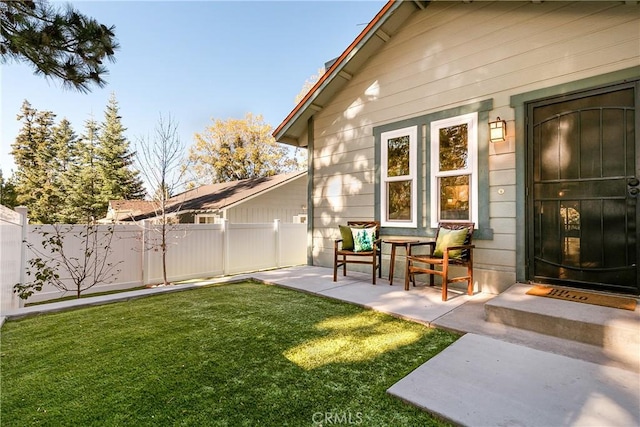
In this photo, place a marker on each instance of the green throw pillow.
(363, 239)
(448, 238)
(347, 238)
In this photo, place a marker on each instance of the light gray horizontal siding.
(502, 161)
(502, 177)
(502, 209)
(452, 54)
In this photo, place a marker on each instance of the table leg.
(407, 251)
(392, 263)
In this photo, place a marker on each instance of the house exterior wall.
(281, 203)
(450, 55)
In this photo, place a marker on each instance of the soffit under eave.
(360, 54)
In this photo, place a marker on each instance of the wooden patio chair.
(345, 253)
(453, 246)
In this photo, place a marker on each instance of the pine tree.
(65, 140)
(63, 44)
(8, 193)
(115, 160)
(34, 153)
(83, 180)
(65, 146)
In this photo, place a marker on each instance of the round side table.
(395, 242)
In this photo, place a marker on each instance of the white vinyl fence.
(12, 231)
(194, 251)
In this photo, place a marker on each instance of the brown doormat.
(583, 297)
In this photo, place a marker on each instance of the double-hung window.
(454, 163)
(398, 177)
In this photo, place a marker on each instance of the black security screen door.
(583, 190)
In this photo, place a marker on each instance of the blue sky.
(195, 61)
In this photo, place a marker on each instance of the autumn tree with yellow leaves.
(309, 84)
(235, 149)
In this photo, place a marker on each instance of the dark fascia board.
(378, 31)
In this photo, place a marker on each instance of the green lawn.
(231, 355)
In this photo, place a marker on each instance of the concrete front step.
(615, 330)
(482, 381)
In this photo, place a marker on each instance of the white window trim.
(471, 120)
(412, 132)
(215, 217)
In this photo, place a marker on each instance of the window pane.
(454, 198)
(454, 148)
(398, 156)
(399, 200)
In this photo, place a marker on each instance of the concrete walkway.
(493, 376)
(482, 381)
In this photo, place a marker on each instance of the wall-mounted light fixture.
(498, 130)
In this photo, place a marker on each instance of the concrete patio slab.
(303, 278)
(481, 381)
(421, 303)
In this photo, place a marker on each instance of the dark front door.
(582, 192)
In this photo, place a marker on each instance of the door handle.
(633, 182)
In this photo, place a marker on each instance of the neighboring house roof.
(123, 210)
(130, 205)
(216, 197)
(384, 25)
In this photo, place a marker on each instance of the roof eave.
(340, 73)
